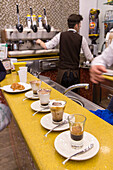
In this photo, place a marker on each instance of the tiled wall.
(57, 11)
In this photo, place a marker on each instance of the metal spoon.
(60, 124)
(40, 110)
(80, 152)
(25, 98)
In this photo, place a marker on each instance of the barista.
(71, 43)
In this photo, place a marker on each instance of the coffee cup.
(35, 85)
(44, 96)
(76, 123)
(57, 110)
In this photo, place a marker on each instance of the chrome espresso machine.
(22, 45)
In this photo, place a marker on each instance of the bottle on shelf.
(40, 21)
(29, 21)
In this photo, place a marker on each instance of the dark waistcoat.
(70, 45)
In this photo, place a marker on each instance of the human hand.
(96, 73)
(38, 41)
(41, 43)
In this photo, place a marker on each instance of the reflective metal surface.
(86, 103)
(76, 100)
(24, 44)
(75, 86)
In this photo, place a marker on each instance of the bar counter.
(41, 148)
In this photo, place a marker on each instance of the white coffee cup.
(44, 95)
(22, 75)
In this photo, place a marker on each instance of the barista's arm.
(41, 43)
(50, 44)
(86, 50)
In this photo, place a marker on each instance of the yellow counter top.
(42, 148)
(108, 77)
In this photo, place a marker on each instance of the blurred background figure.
(98, 66)
(5, 113)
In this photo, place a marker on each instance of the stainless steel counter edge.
(87, 104)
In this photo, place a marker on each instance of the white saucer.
(46, 122)
(63, 146)
(8, 88)
(30, 95)
(36, 107)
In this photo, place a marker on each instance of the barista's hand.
(38, 41)
(96, 73)
(41, 43)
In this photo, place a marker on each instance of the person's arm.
(41, 43)
(86, 50)
(106, 58)
(98, 65)
(50, 44)
(2, 72)
(96, 73)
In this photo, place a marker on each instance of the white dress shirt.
(56, 39)
(106, 58)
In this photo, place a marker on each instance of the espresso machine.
(24, 44)
(23, 47)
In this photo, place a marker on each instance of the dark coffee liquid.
(35, 92)
(57, 120)
(76, 137)
(44, 104)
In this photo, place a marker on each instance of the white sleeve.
(53, 42)
(86, 50)
(106, 58)
(107, 36)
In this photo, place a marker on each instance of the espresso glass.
(35, 85)
(57, 110)
(44, 96)
(77, 123)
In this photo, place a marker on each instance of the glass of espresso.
(76, 122)
(35, 85)
(44, 96)
(57, 109)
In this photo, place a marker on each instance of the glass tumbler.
(76, 123)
